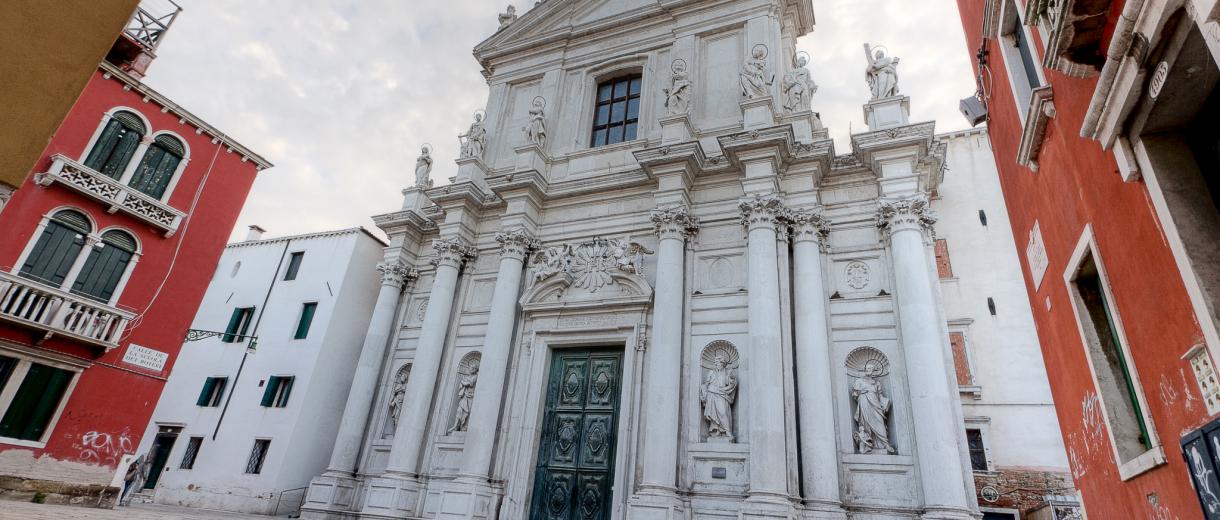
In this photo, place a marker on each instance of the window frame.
(94, 235)
(175, 176)
(982, 450)
(238, 328)
(1022, 93)
(107, 117)
(309, 310)
(193, 455)
(613, 79)
(136, 253)
(277, 391)
(256, 467)
(26, 357)
(295, 259)
(215, 395)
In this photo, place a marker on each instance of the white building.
(655, 291)
(243, 426)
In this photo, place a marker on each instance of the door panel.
(575, 473)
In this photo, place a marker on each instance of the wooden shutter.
(105, 267)
(205, 395)
(104, 146)
(35, 403)
(961, 361)
(307, 313)
(123, 151)
(158, 167)
(54, 253)
(7, 366)
(235, 326)
(269, 392)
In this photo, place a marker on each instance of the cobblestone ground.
(32, 511)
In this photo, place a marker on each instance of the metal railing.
(150, 22)
(55, 311)
(289, 502)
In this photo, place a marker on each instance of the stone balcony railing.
(117, 196)
(34, 305)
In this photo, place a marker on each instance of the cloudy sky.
(339, 94)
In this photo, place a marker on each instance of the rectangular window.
(978, 452)
(943, 267)
(40, 389)
(307, 312)
(192, 452)
(961, 359)
(239, 324)
(277, 391)
(1112, 372)
(1019, 56)
(294, 265)
(616, 112)
(254, 465)
(213, 391)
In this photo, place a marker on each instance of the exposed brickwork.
(961, 363)
(943, 267)
(1022, 489)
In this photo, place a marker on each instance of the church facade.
(654, 290)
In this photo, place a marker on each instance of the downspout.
(1120, 43)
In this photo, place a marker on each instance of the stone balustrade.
(118, 196)
(31, 304)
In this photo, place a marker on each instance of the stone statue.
(799, 87)
(677, 96)
(465, 398)
(756, 79)
(397, 395)
(882, 73)
(717, 394)
(535, 131)
(508, 17)
(474, 141)
(423, 168)
(872, 409)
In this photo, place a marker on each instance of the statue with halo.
(882, 72)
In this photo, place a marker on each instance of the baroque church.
(655, 290)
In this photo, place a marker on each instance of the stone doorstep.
(62, 493)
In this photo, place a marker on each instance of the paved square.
(32, 511)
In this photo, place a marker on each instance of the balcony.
(30, 304)
(117, 196)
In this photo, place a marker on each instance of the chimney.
(256, 233)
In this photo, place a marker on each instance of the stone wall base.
(61, 493)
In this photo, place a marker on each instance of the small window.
(277, 391)
(961, 359)
(105, 266)
(117, 144)
(254, 465)
(158, 166)
(616, 113)
(213, 391)
(294, 265)
(192, 452)
(57, 248)
(943, 267)
(1018, 57)
(978, 452)
(41, 389)
(307, 312)
(239, 324)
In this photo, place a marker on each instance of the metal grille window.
(277, 391)
(192, 452)
(978, 452)
(616, 114)
(258, 454)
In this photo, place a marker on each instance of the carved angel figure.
(423, 168)
(465, 394)
(475, 139)
(881, 74)
(799, 87)
(717, 394)
(629, 256)
(756, 80)
(677, 96)
(508, 17)
(535, 131)
(550, 261)
(872, 408)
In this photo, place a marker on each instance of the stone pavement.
(31, 511)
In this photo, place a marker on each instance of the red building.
(1105, 121)
(105, 254)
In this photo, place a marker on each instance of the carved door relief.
(575, 473)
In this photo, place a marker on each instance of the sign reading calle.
(144, 357)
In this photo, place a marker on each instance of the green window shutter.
(102, 272)
(104, 146)
(294, 265)
(307, 313)
(205, 395)
(234, 323)
(54, 254)
(247, 316)
(221, 384)
(7, 366)
(123, 151)
(287, 382)
(157, 167)
(269, 391)
(35, 403)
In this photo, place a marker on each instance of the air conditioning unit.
(973, 110)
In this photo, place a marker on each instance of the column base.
(823, 511)
(331, 496)
(655, 505)
(462, 499)
(946, 513)
(767, 507)
(758, 113)
(391, 496)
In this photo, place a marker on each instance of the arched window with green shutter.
(57, 248)
(105, 266)
(158, 166)
(117, 144)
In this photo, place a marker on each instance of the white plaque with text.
(144, 357)
(1035, 254)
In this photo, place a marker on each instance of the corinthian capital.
(452, 251)
(674, 222)
(516, 243)
(761, 211)
(395, 274)
(810, 225)
(915, 213)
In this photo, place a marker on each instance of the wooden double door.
(574, 478)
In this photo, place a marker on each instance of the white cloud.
(339, 94)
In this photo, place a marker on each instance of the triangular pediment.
(564, 16)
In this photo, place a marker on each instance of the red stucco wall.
(1078, 184)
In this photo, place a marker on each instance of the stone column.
(663, 361)
(394, 276)
(768, 459)
(934, 404)
(815, 400)
(515, 245)
(412, 427)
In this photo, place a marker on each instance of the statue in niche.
(508, 17)
(468, 375)
(423, 168)
(719, 389)
(677, 96)
(756, 79)
(882, 72)
(535, 131)
(474, 141)
(397, 394)
(870, 406)
(798, 86)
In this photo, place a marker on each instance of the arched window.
(158, 166)
(116, 145)
(57, 249)
(105, 266)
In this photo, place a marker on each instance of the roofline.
(965, 132)
(111, 70)
(306, 236)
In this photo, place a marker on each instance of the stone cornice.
(464, 193)
(762, 211)
(779, 139)
(657, 159)
(674, 222)
(531, 183)
(516, 243)
(396, 274)
(452, 251)
(911, 213)
(408, 218)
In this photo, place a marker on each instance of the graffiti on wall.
(97, 447)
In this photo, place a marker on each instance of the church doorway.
(575, 472)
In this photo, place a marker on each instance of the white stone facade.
(336, 271)
(721, 318)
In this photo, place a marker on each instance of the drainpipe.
(1120, 43)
